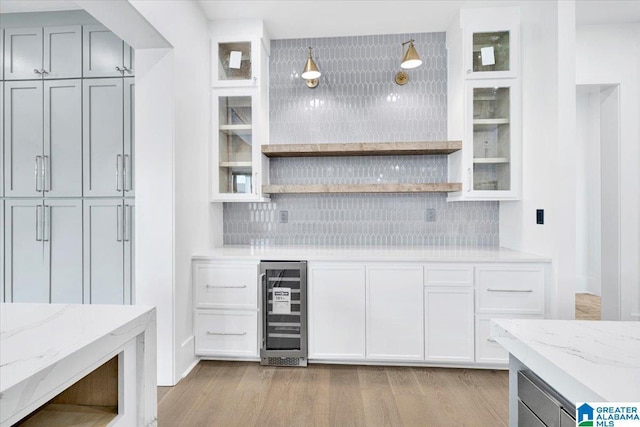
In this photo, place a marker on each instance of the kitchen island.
(46, 350)
(583, 361)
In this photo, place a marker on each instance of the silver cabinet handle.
(38, 223)
(491, 340)
(128, 175)
(38, 173)
(38, 72)
(118, 163)
(120, 70)
(46, 228)
(126, 70)
(127, 223)
(226, 333)
(527, 291)
(225, 287)
(119, 230)
(44, 72)
(124, 173)
(46, 174)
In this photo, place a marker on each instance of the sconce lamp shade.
(310, 71)
(411, 58)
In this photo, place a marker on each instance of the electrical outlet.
(431, 215)
(540, 216)
(284, 217)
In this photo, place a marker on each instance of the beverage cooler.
(284, 308)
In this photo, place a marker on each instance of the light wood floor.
(247, 394)
(587, 307)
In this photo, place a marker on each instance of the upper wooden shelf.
(361, 149)
(444, 187)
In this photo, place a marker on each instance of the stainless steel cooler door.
(285, 323)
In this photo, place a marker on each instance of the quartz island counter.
(47, 348)
(584, 361)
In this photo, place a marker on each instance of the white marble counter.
(369, 253)
(585, 361)
(45, 348)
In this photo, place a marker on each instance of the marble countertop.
(45, 347)
(585, 361)
(369, 253)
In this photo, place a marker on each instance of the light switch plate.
(284, 217)
(430, 215)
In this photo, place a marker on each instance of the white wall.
(185, 27)
(588, 205)
(610, 54)
(547, 78)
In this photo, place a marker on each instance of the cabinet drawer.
(510, 289)
(226, 333)
(449, 275)
(226, 286)
(526, 418)
(536, 396)
(487, 349)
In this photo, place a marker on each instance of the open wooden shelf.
(444, 187)
(490, 160)
(361, 149)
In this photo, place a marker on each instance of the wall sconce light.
(311, 73)
(411, 59)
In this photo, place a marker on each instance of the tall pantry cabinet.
(67, 166)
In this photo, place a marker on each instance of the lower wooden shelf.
(444, 187)
(53, 415)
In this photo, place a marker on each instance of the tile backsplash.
(358, 101)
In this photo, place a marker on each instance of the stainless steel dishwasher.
(284, 308)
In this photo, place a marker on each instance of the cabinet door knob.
(38, 72)
(468, 71)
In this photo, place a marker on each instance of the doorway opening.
(598, 202)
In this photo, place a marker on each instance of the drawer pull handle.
(226, 287)
(491, 340)
(527, 291)
(226, 333)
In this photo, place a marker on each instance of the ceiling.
(323, 18)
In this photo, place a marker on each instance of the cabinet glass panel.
(283, 330)
(491, 51)
(234, 61)
(235, 144)
(491, 139)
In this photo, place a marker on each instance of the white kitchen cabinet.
(484, 104)
(108, 242)
(226, 285)
(103, 146)
(49, 53)
(226, 298)
(337, 314)
(240, 169)
(518, 289)
(43, 138)
(3, 290)
(240, 112)
(43, 246)
(488, 351)
(226, 333)
(1, 137)
(395, 312)
(105, 54)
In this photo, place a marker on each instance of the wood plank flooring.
(587, 307)
(219, 393)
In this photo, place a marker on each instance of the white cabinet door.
(104, 257)
(226, 333)
(63, 245)
(1, 140)
(102, 52)
(395, 312)
(129, 61)
(63, 138)
(510, 288)
(129, 232)
(103, 137)
(3, 290)
(26, 261)
(448, 324)
(129, 136)
(22, 53)
(23, 161)
(336, 311)
(62, 52)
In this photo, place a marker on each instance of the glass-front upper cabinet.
(494, 135)
(235, 63)
(236, 155)
(491, 52)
